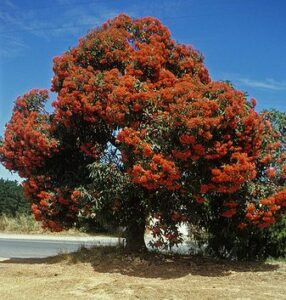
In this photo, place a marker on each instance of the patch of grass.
(24, 223)
(21, 224)
(276, 260)
(90, 255)
(117, 257)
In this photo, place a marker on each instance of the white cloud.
(47, 23)
(10, 4)
(269, 83)
(11, 46)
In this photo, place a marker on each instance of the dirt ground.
(106, 274)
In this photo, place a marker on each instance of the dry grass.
(104, 273)
(20, 224)
(27, 224)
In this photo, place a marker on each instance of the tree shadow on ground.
(149, 265)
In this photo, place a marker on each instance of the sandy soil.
(103, 274)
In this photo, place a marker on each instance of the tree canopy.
(139, 128)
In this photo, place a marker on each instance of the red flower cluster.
(27, 140)
(264, 214)
(230, 177)
(159, 172)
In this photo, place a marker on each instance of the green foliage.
(278, 121)
(277, 239)
(252, 243)
(108, 198)
(12, 200)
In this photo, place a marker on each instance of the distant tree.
(12, 200)
(140, 129)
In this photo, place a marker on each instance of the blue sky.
(242, 40)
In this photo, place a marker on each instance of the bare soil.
(108, 274)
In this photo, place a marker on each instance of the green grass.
(276, 260)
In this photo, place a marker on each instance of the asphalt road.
(12, 246)
(39, 246)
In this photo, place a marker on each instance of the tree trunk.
(134, 235)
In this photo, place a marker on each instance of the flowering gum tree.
(139, 129)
